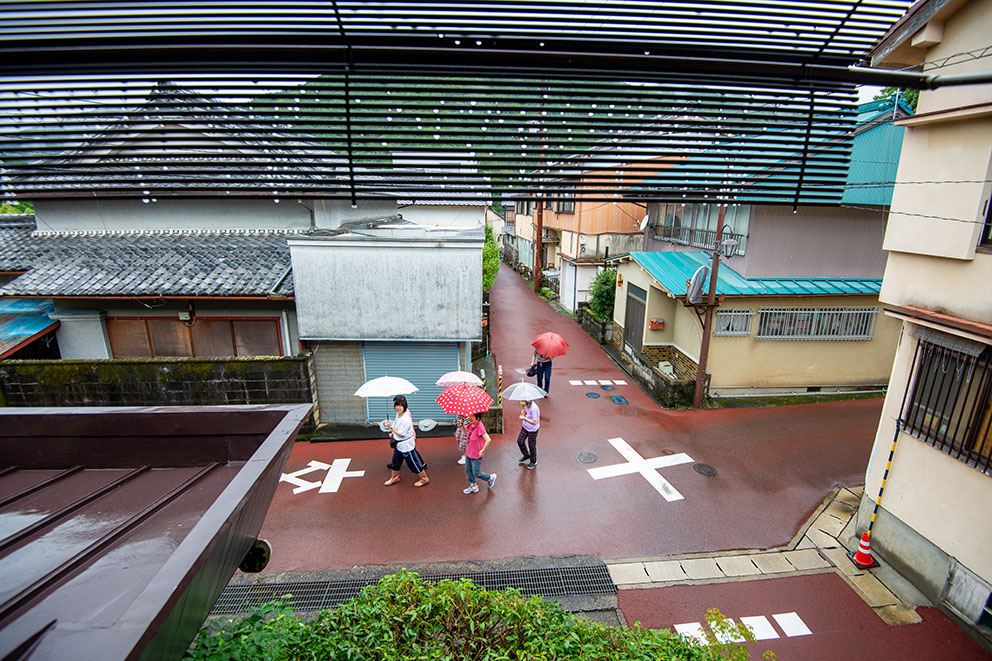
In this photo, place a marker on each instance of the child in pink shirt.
(478, 441)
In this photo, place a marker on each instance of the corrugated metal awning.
(672, 269)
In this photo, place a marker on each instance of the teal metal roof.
(21, 321)
(870, 166)
(673, 269)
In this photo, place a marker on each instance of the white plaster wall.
(426, 289)
(82, 335)
(169, 213)
(958, 288)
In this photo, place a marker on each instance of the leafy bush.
(404, 618)
(604, 291)
(490, 260)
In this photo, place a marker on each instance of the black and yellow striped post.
(885, 476)
(482, 373)
(499, 385)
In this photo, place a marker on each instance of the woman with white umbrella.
(403, 440)
(530, 416)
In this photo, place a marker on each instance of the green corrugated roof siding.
(874, 157)
(672, 269)
(874, 161)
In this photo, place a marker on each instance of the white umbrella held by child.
(523, 391)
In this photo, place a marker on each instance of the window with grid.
(733, 322)
(206, 338)
(567, 202)
(816, 323)
(948, 405)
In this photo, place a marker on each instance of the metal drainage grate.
(317, 595)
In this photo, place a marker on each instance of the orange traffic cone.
(862, 558)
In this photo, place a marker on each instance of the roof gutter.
(272, 292)
(917, 80)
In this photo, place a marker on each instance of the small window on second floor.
(986, 239)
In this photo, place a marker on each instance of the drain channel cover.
(704, 469)
(586, 457)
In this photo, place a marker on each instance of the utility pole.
(539, 246)
(704, 348)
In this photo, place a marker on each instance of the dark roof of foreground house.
(123, 525)
(147, 263)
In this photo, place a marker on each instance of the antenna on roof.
(694, 288)
(644, 223)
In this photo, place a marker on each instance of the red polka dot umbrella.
(464, 399)
(551, 345)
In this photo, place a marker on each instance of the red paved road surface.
(842, 626)
(774, 466)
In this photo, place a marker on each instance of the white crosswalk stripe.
(792, 624)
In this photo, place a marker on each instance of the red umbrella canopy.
(551, 345)
(464, 399)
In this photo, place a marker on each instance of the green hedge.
(402, 617)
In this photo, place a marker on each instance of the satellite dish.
(644, 223)
(694, 291)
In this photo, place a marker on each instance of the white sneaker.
(472, 489)
(462, 460)
(492, 480)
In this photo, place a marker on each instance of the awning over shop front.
(22, 321)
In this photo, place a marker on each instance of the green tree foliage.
(490, 259)
(405, 618)
(604, 291)
(16, 207)
(911, 97)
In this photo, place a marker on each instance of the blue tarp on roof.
(22, 320)
(673, 269)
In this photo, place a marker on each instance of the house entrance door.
(633, 329)
(567, 292)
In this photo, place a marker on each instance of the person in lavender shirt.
(530, 415)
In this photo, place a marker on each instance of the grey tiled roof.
(17, 249)
(147, 263)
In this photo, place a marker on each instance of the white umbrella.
(457, 377)
(523, 391)
(386, 386)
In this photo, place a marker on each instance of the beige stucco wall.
(523, 227)
(945, 151)
(918, 220)
(929, 491)
(741, 362)
(958, 288)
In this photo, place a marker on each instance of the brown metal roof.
(119, 527)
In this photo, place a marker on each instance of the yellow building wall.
(744, 362)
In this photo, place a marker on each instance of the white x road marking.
(646, 467)
(336, 472)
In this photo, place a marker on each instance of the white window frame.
(733, 323)
(817, 324)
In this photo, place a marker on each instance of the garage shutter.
(421, 363)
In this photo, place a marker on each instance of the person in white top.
(403, 440)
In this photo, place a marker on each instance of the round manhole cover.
(586, 457)
(592, 395)
(704, 469)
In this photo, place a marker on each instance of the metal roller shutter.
(421, 363)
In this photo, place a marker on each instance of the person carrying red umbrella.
(547, 346)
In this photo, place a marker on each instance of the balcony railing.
(695, 237)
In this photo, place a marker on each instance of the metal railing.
(688, 236)
(949, 408)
